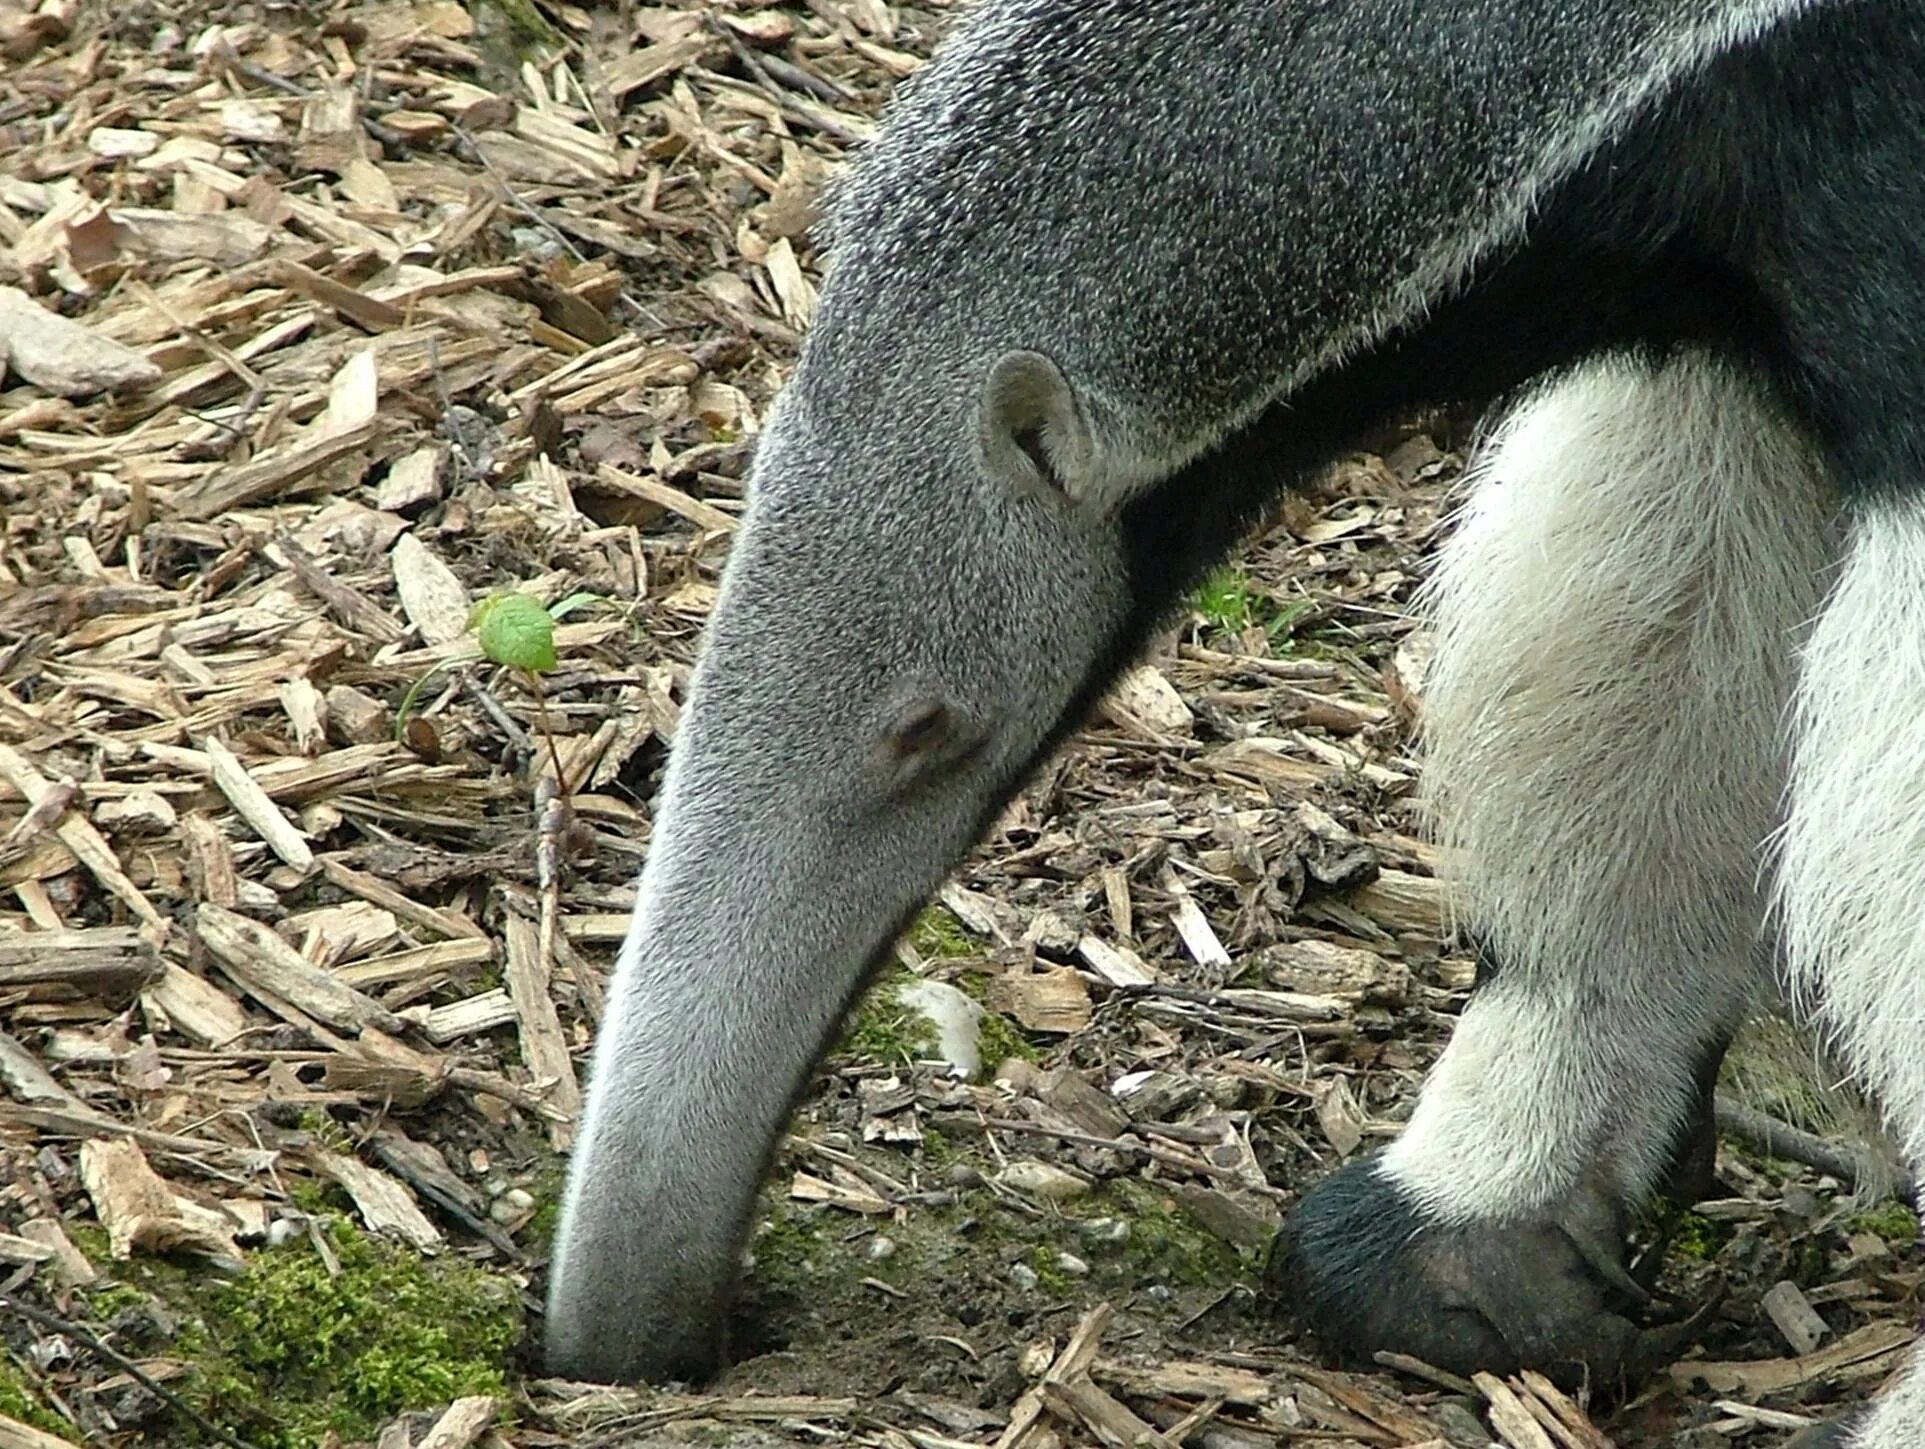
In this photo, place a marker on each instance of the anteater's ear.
(1032, 432)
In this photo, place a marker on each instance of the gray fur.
(1191, 239)
(1189, 212)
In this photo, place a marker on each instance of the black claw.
(1360, 1266)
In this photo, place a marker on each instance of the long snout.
(894, 647)
(759, 919)
(691, 1081)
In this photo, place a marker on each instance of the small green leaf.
(414, 693)
(516, 631)
(567, 606)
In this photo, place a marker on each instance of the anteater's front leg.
(1617, 622)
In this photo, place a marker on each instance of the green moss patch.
(286, 1352)
(999, 1040)
(1894, 1222)
(1689, 1234)
(1165, 1245)
(19, 1400)
(937, 932)
(1225, 600)
(546, 1186)
(882, 1029)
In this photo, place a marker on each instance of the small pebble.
(1459, 1421)
(281, 1230)
(538, 245)
(961, 1174)
(512, 1206)
(1072, 1265)
(1106, 1232)
(1159, 1293)
(1043, 1180)
(881, 1248)
(1023, 1276)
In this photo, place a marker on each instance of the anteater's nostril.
(923, 728)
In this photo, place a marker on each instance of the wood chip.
(1863, 1353)
(1117, 965)
(385, 1204)
(462, 1423)
(855, 1197)
(354, 716)
(16, 1435)
(79, 836)
(417, 964)
(196, 1008)
(1339, 1115)
(142, 1213)
(1043, 1181)
(1199, 939)
(1403, 903)
(1055, 1000)
(1185, 1379)
(652, 63)
(543, 1047)
(69, 1266)
(794, 290)
(271, 475)
(1561, 1415)
(1071, 1365)
(61, 355)
(109, 963)
(382, 1069)
(456, 1019)
(356, 306)
(1106, 1418)
(663, 495)
(1797, 1320)
(370, 888)
(276, 974)
(1514, 1423)
(1147, 705)
(435, 601)
(251, 803)
(17, 1250)
(413, 480)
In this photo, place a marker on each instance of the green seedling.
(518, 633)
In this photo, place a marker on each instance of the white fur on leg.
(1852, 866)
(1851, 874)
(1898, 1418)
(1616, 618)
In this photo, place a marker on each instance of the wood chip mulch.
(323, 323)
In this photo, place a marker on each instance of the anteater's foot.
(1360, 1265)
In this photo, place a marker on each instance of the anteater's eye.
(922, 729)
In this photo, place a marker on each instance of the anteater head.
(916, 605)
(1116, 271)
